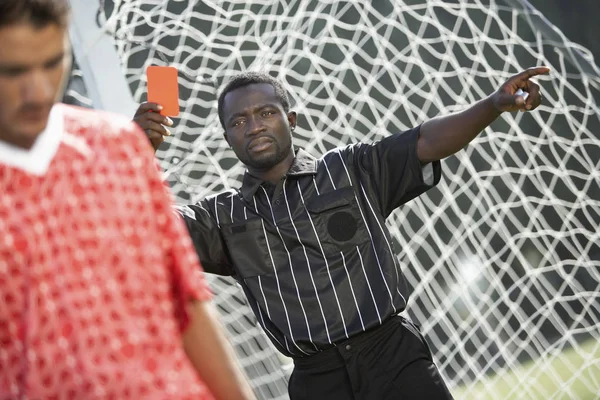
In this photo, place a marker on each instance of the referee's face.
(257, 127)
(34, 62)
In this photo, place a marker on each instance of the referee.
(306, 237)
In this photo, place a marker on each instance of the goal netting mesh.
(503, 258)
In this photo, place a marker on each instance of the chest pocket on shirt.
(337, 219)
(249, 247)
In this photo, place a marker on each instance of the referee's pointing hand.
(152, 123)
(507, 98)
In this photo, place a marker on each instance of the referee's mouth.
(260, 144)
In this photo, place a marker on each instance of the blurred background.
(576, 19)
(503, 257)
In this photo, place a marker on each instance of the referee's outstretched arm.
(443, 136)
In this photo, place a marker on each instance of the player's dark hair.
(39, 13)
(250, 78)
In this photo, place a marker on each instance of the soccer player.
(306, 237)
(100, 290)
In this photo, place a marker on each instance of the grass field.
(554, 378)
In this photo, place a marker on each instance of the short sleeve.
(208, 241)
(188, 281)
(395, 170)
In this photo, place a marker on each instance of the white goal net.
(503, 258)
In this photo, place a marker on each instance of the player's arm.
(203, 339)
(212, 356)
(443, 136)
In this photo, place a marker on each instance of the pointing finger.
(529, 73)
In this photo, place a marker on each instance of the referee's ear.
(292, 119)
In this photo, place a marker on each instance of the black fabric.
(385, 159)
(390, 362)
(342, 226)
(313, 254)
(208, 241)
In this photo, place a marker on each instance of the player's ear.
(292, 119)
(226, 138)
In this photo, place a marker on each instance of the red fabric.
(95, 272)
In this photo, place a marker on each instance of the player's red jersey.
(95, 267)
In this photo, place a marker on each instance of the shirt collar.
(37, 159)
(303, 164)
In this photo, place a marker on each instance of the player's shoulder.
(91, 123)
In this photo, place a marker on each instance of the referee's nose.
(254, 126)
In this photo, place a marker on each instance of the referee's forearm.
(443, 136)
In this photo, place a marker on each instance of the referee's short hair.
(250, 78)
(39, 13)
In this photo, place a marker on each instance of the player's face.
(257, 127)
(34, 63)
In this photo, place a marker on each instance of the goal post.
(503, 257)
(98, 61)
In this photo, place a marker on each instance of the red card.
(163, 89)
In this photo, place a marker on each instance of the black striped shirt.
(312, 253)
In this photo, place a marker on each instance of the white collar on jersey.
(37, 159)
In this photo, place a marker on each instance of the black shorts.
(392, 361)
